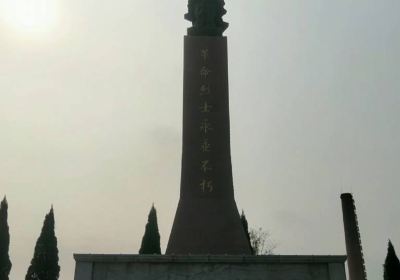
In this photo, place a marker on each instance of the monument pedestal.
(228, 267)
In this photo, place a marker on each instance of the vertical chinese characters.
(206, 127)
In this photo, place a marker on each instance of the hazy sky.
(91, 113)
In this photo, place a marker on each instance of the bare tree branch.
(261, 242)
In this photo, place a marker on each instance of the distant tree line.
(44, 264)
(261, 244)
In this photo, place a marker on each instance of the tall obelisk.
(207, 220)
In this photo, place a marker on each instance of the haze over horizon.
(91, 114)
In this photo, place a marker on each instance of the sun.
(29, 16)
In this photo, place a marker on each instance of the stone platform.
(215, 267)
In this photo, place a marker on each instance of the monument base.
(170, 267)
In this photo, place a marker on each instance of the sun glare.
(29, 16)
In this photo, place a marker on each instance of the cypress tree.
(151, 237)
(5, 263)
(391, 267)
(246, 230)
(44, 264)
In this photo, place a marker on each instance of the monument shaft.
(207, 220)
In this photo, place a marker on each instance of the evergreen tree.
(44, 264)
(5, 263)
(246, 230)
(392, 265)
(151, 238)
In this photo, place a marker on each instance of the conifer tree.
(392, 265)
(5, 263)
(151, 238)
(246, 230)
(44, 264)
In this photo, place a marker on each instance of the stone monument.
(207, 240)
(207, 220)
